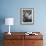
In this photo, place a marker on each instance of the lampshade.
(9, 21)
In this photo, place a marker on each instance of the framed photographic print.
(27, 15)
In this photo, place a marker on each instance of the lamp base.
(9, 33)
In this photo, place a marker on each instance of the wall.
(11, 8)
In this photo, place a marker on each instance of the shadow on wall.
(2, 21)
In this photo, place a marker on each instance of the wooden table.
(20, 39)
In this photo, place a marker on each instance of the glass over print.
(26, 15)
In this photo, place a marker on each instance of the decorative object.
(9, 21)
(30, 33)
(26, 15)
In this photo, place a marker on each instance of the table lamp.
(9, 21)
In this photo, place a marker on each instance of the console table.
(21, 39)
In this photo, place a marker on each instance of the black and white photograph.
(27, 15)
